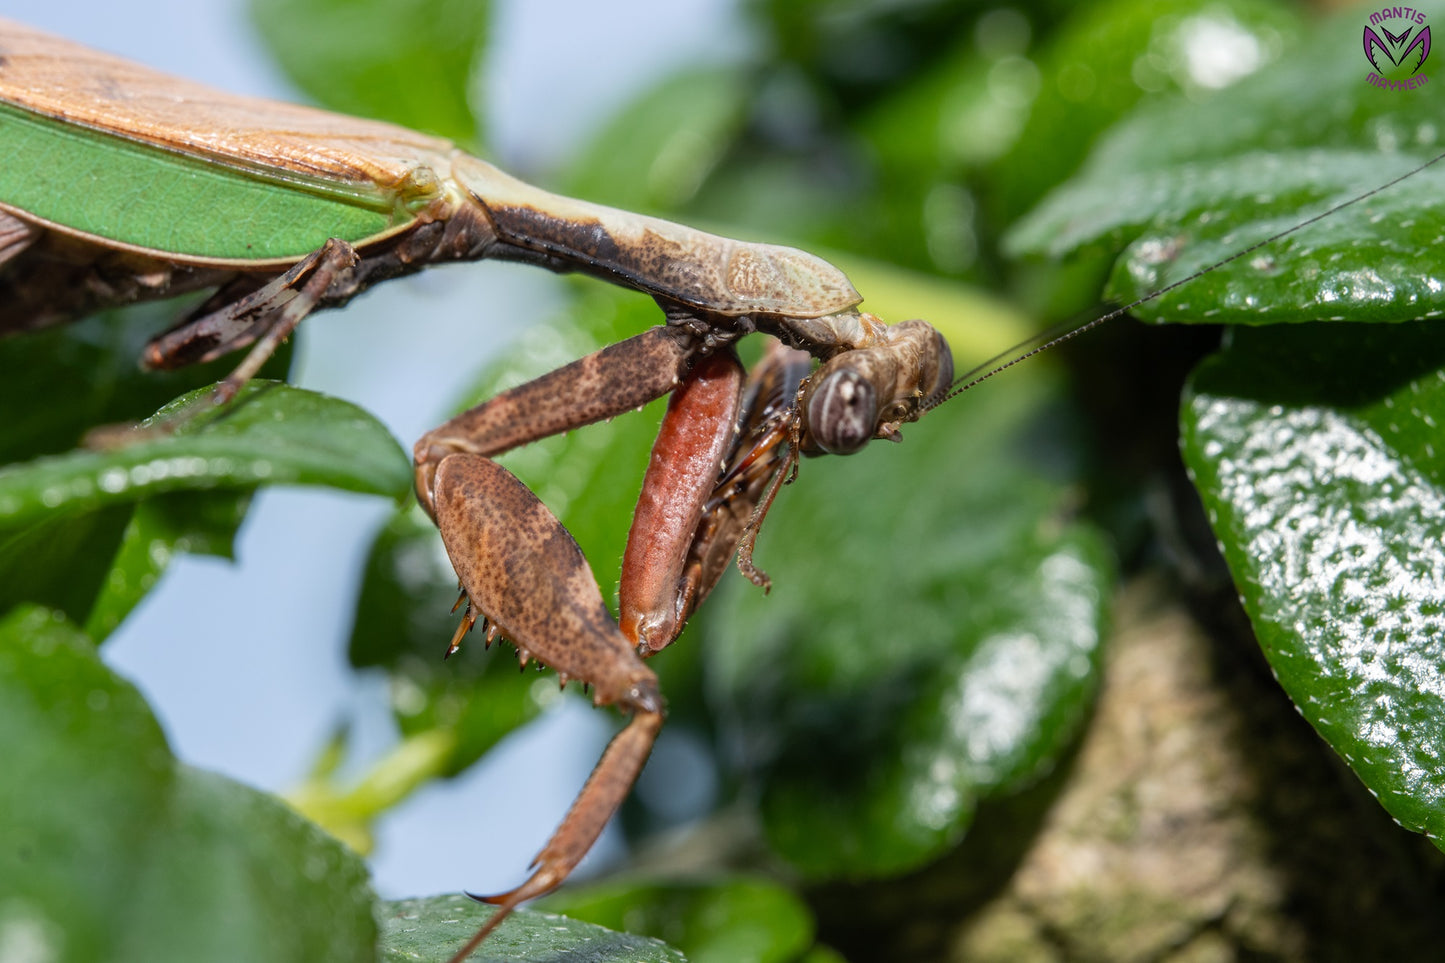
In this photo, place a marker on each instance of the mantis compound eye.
(843, 412)
(943, 376)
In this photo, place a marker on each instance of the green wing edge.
(171, 203)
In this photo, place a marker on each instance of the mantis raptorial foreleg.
(604, 384)
(521, 569)
(660, 584)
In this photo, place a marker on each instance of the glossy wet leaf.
(931, 637)
(270, 434)
(1318, 455)
(1181, 186)
(109, 849)
(1368, 262)
(60, 383)
(90, 532)
(432, 929)
(410, 62)
(67, 379)
(711, 921)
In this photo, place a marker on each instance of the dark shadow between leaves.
(1334, 364)
(913, 917)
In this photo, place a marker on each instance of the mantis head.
(868, 393)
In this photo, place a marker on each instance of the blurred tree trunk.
(1200, 819)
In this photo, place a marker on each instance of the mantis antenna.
(1068, 330)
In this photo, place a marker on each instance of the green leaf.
(271, 433)
(1180, 221)
(1107, 57)
(712, 921)
(63, 562)
(1317, 453)
(95, 566)
(236, 875)
(87, 374)
(655, 153)
(408, 62)
(199, 523)
(89, 532)
(931, 638)
(1181, 186)
(111, 850)
(433, 929)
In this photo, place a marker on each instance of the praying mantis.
(328, 206)
(398, 201)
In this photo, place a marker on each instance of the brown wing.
(61, 79)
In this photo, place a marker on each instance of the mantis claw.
(469, 619)
(608, 785)
(604, 791)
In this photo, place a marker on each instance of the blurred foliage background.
(920, 745)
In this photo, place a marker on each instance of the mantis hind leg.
(262, 317)
(15, 236)
(238, 315)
